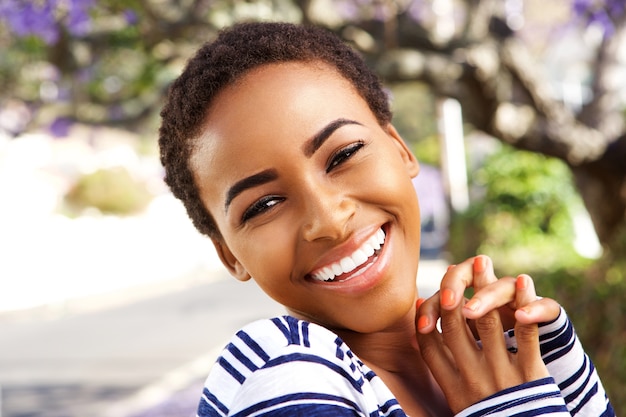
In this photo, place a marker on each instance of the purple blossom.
(131, 16)
(44, 19)
(60, 127)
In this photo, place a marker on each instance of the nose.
(328, 211)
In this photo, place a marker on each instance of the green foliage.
(414, 117)
(524, 215)
(111, 191)
(523, 221)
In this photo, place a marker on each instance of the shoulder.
(291, 356)
(269, 337)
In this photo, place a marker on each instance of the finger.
(491, 334)
(490, 297)
(543, 310)
(530, 308)
(483, 274)
(438, 359)
(428, 314)
(453, 284)
(527, 334)
(457, 336)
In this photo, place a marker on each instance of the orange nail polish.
(423, 322)
(419, 303)
(480, 263)
(447, 297)
(520, 283)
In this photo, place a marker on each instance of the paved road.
(80, 364)
(145, 357)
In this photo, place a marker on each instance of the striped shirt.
(288, 367)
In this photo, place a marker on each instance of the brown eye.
(343, 155)
(261, 206)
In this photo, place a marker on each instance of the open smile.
(355, 264)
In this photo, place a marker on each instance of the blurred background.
(112, 305)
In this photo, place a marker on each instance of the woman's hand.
(467, 372)
(490, 294)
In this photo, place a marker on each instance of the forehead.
(273, 108)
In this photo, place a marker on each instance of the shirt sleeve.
(536, 398)
(572, 369)
(573, 388)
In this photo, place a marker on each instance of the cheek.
(267, 255)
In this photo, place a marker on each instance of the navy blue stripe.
(253, 345)
(593, 391)
(313, 409)
(301, 357)
(294, 331)
(609, 409)
(576, 376)
(241, 357)
(541, 411)
(281, 326)
(305, 334)
(536, 397)
(559, 338)
(339, 352)
(386, 406)
(207, 407)
(231, 370)
(576, 393)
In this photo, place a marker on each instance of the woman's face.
(312, 197)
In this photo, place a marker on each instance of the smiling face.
(312, 197)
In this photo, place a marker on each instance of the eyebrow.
(254, 180)
(309, 148)
(320, 137)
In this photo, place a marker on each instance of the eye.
(343, 155)
(261, 206)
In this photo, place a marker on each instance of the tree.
(110, 62)
(477, 52)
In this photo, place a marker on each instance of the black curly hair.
(217, 64)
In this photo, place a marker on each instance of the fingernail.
(447, 297)
(450, 267)
(423, 322)
(472, 304)
(419, 303)
(480, 263)
(525, 310)
(520, 283)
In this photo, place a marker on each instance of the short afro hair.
(220, 63)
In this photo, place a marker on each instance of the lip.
(368, 276)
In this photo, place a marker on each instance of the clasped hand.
(469, 371)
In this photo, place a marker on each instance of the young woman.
(278, 139)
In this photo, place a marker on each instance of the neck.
(393, 354)
(390, 349)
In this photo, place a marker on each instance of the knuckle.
(452, 326)
(489, 323)
(527, 333)
(429, 351)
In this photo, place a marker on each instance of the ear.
(230, 261)
(410, 161)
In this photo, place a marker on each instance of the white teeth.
(350, 263)
(347, 265)
(359, 257)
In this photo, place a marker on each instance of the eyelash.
(267, 202)
(260, 206)
(343, 155)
